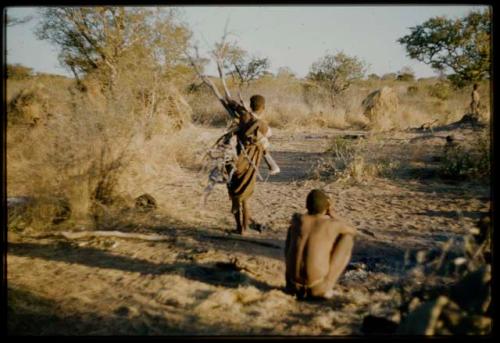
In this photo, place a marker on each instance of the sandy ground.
(205, 280)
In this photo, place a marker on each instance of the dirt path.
(205, 280)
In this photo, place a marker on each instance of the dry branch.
(115, 234)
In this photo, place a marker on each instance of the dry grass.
(100, 152)
(97, 152)
(293, 103)
(355, 161)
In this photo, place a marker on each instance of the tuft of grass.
(348, 161)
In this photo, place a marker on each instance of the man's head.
(317, 202)
(475, 86)
(257, 103)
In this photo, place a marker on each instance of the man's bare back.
(318, 248)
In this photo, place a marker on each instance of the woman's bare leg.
(246, 215)
(236, 209)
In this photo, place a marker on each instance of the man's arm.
(287, 242)
(347, 229)
(342, 227)
(289, 262)
(293, 223)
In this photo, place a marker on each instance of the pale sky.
(290, 36)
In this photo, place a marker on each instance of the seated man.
(318, 249)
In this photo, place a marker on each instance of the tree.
(230, 59)
(251, 68)
(460, 46)
(406, 74)
(238, 63)
(109, 38)
(335, 73)
(132, 58)
(285, 72)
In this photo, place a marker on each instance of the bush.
(389, 77)
(440, 90)
(348, 162)
(461, 163)
(18, 72)
(29, 106)
(406, 77)
(96, 151)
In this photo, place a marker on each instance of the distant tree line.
(107, 41)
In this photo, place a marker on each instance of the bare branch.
(210, 84)
(204, 79)
(219, 59)
(220, 68)
(240, 83)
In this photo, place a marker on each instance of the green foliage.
(335, 73)
(461, 46)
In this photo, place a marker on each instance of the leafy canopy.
(335, 73)
(460, 46)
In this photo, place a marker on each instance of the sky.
(290, 36)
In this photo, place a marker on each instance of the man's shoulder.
(263, 125)
(312, 220)
(336, 220)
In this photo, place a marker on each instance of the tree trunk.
(332, 99)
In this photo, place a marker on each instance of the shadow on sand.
(30, 314)
(96, 258)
